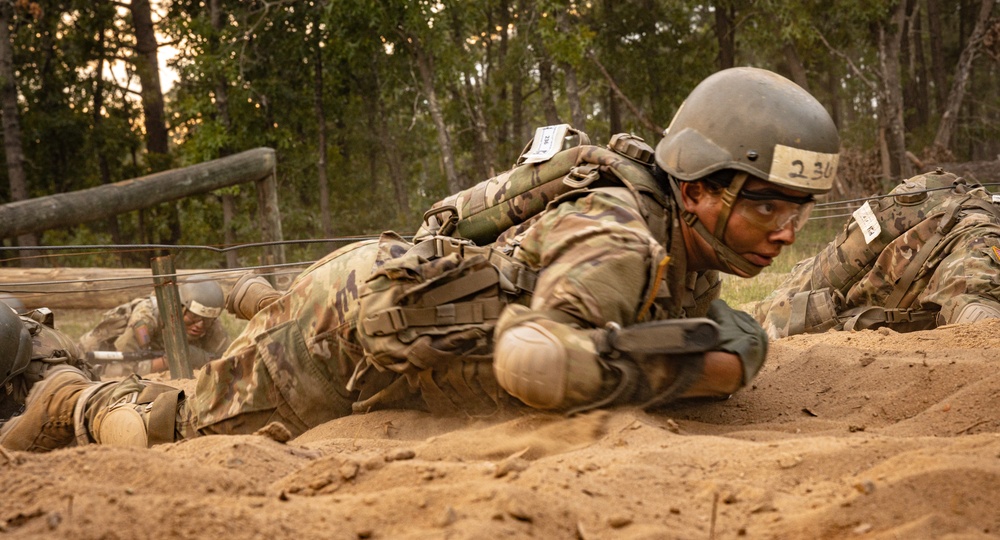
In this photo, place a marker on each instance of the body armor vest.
(428, 311)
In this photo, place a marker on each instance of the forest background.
(377, 108)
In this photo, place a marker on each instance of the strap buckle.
(385, 322)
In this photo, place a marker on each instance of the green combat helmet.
(756, 122)
(203, 297)
(15, 345)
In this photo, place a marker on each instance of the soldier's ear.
(692, 193)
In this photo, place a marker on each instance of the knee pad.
(548, 365)
(122, 425)
(140, 415)
(976, 312)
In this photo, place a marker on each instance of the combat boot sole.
(47, 422)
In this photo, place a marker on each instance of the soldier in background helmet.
(926, 255)
(136, 326)
(732, 181)
(30, 347)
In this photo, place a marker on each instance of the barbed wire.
(825, 209)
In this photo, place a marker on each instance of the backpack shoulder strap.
(948, 221)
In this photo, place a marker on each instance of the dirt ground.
(871, 434)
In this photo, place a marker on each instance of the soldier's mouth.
(759, 259)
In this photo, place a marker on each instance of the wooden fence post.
(172, 317)
(270, 216)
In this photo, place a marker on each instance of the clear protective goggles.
(773, 211)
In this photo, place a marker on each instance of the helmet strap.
(733, 262)
(728, 200)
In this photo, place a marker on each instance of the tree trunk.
(98, 118)
(963, 71)
(518, 130)
(13, 149)
(795, 67)
(147, 67)
(918, 69)
(472, 97)
(228, 235)
(321, 150)
(503, 129)
(611, 50)
(935, 38)
(425, 67)
(725, 33)
(217, 19)
(833, 88)
(577, 116)
(891, 102)
(545, 83)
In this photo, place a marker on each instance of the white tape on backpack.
(868, 222)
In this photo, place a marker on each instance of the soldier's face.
(195, 325)
(757, 242)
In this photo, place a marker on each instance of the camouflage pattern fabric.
(293, 360)
(493, 206)
(603, 254)
(50, 347)
(119, 328)
(962, 268)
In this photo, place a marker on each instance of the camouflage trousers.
(290, 364)
(294, 364)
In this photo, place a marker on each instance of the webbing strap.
(395, 319)
(729, 197)
(464, 286)
(514, 276)
(868, 317)
(162, 418)
(797, 317)
(947, 222)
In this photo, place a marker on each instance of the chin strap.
(734, 263)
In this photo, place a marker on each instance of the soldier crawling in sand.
(135, 328)
(926, 255)
(585, 277)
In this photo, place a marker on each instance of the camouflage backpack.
(429, 309)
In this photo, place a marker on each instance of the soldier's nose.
(785, 235)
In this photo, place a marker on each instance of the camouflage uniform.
(50, 347)
(937, 252)
(120, 327)
(572, 265)
(599, 259)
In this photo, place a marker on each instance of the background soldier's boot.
(249, 295)
(48, 419)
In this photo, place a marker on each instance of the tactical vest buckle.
(582, 175)
(386, 322)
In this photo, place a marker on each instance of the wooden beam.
(102, 202)
(99, 288)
